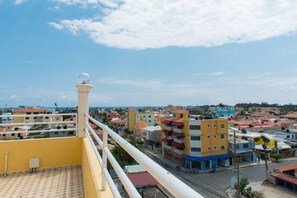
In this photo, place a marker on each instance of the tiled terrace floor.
(57, 182)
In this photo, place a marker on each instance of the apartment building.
(134, 117)
(7, 119)
(195, 143)
(25, 115)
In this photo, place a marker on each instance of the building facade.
(195, 143)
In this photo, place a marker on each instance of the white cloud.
(19, 2)
(90, 3)
(162, 23)
(56, 25)
(211, 74)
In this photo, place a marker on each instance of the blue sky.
(148, 52)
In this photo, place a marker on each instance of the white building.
(7, 119)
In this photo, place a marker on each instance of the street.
(213, 185)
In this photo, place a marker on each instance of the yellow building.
(27, 115)
(136, 119)
(195, 143)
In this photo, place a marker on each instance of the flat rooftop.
(54, 182)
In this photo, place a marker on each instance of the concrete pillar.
(83, 91)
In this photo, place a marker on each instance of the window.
(208, 148)
(222, 126)
(246, 145)
(214, 126)
(56, 133)
(35, 118)
(288, 136)
(222, 147)
(4, 135)
(149, 116)
(46, 117)
(195, 137)
(195, 127)
(208, 136)
(214, 136)
(27, 118)
(222, 137)
(208, 125)
(215, 148)
(150, 121)
(12, 134)
(193, 149)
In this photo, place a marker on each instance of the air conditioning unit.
(34, 164)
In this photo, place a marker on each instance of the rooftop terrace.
(74, 166)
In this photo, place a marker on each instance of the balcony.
(179, 140)
(81, 158)
(177, 130)
(167, 147)
(180, 152)
(168, 128)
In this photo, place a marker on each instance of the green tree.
(275, 155)
(122, 156)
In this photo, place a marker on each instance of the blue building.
(244, 151)
(224, 112)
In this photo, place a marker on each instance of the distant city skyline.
(148, 53)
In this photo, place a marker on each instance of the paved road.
(214, 184)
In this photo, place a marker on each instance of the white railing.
(168, 128)
(181, 152)
(176, 187)
(52, 124)
(167, 147)
(177, 130)
(179, 140)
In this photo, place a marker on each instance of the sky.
(148, 52)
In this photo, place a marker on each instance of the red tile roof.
(285, 168)
(291, 115)
(286, 178)
(28, 110)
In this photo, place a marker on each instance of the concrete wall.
(53, 152)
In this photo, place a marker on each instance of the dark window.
(215, 148)
(193, 149)
(56, 133)
(222, 136)
(222, 126)
(245, 145)
(214, 136)
(27, 118)
(222, 147)
(195, 127)
(195, 137)
(46, 117)
(12, 134)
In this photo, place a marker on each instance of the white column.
(83, 91)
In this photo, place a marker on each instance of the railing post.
(83, 91)
(104, 159)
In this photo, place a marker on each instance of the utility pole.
(266, 165)
(236, 167)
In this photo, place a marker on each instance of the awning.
(177, 155)
(179, 145)
(167, 122)
(207, 158)
(178, 124)
(166, 131)
(178, 134)
(166, 140)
